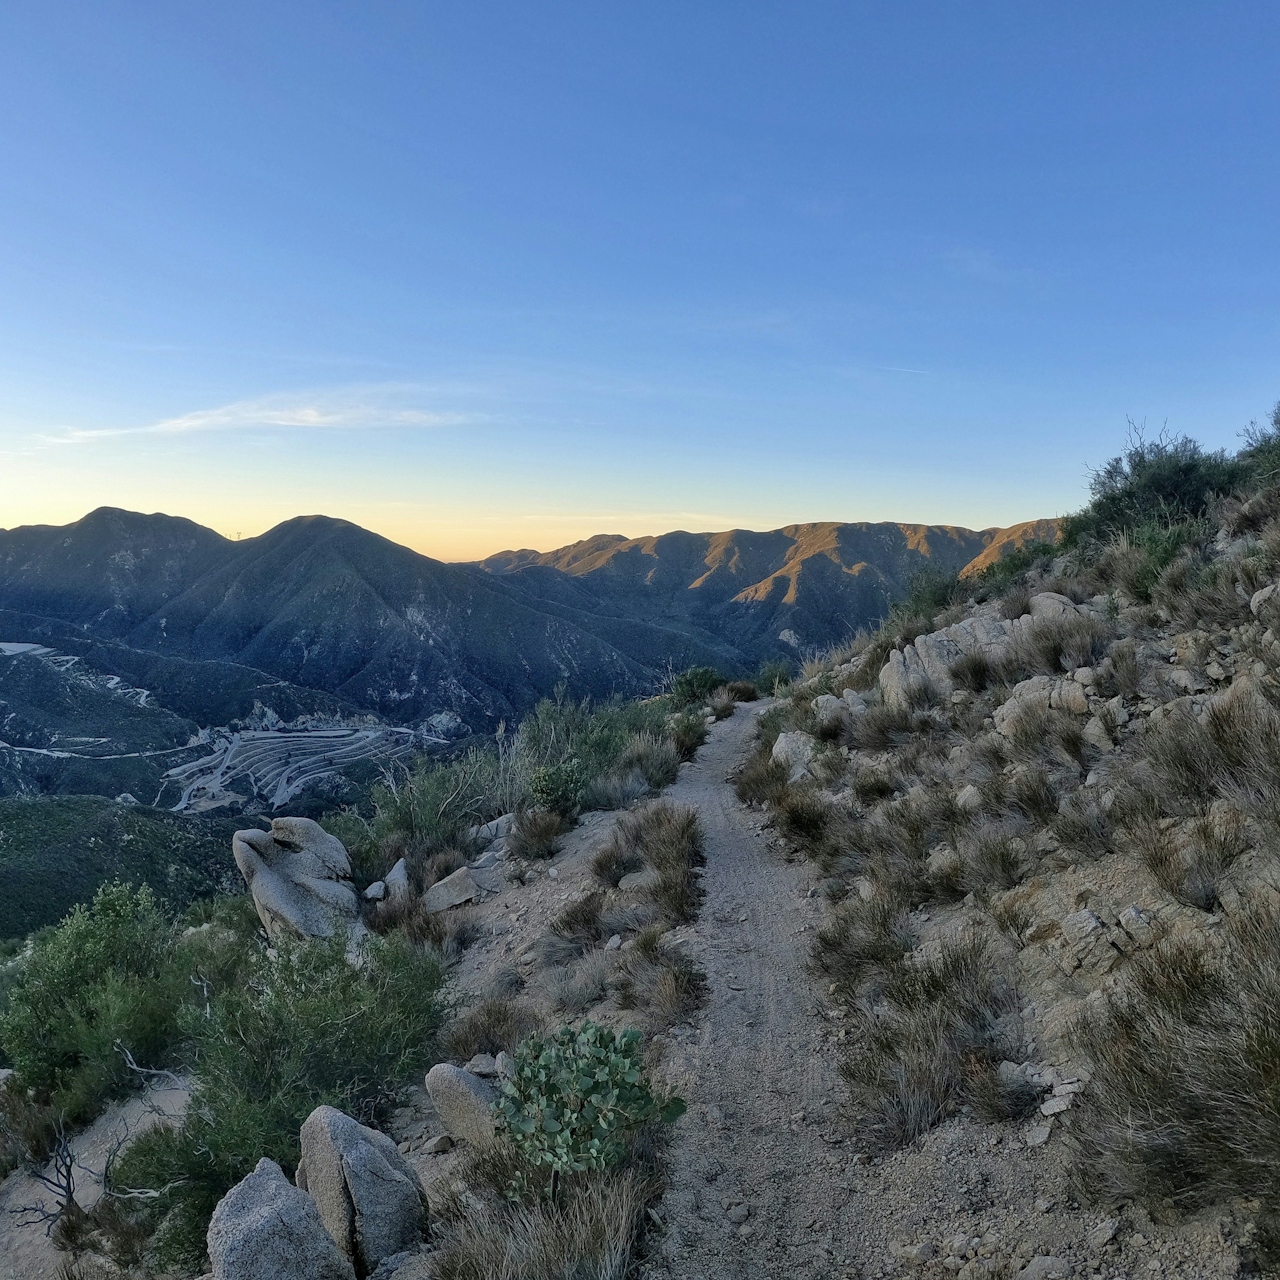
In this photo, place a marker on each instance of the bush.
(657, 760)
(773, 676)
(688, 733)
(1168, 480)
(306, 1028)
(576, 1096)
(695, 685)
(536, 834)
(557, 787)
(1181, 1107)
(743, 690)
(762, 780)
(105, 977)
(495, 1025)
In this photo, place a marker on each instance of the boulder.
(397, 881)
(1260, 598)
(376, 891)
(464, 1102)
(830, 713)
(795, 750)
(265, 1228)
(483, 1064)
(452, 891)
(488, 832)
(1049, 604)
(640, 881)
(1046, 1268)
(1096, 735)
(854, 702)
(926, 664)
(300, 879)
(369, 1198)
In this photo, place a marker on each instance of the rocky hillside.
(1045, 822)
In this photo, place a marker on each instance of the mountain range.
(318, 616)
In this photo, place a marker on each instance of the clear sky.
(480, 275)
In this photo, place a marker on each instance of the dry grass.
(615, 791)
(762, 780)
(1015, 603)
(722, 704)
(659, 978)
(1182, 1107)
(1198, 591)
(1191, 864)
(996, 857)
(536, 834)
(932, 1042)
(1051, 646)
(589, 1234)
(493, 1026)
(742, 691)
(862, 943)
(655, 759)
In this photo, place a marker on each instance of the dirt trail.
(757, 1069)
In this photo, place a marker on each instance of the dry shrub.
(803, 816)
(932, 1042)
(688, 733)
(722, 704)
(1051, 646)
(762, 780)
(973, 671)
(862, 943)
(1182, 1106)
(434, 868)
(1191, 864)
(1015, 603)
(742, 690)
(615, 791)
(1240, 514)
(1125, 675)
(659, 978)
(1033, 795)
(448, 932)
(667, 838)
(536, 834)
(617, 858)
(996, 857)
(870, 783)
(655, 759)
(1198, 591)
(884, 727)
(588, 1234)
(575, 987)
(1038, 732)
(1084, 825)
(493, 1026)
(28, 1130)
(574, 932)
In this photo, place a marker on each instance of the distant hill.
(815, 583)
(318, 616)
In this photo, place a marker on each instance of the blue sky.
(482, 275)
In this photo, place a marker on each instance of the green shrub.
(105, 977)
(577, 1096)
(695, 685)
(1160, 482)
(305, 1028)
(688, 732)
(773, 676)
(558, 787)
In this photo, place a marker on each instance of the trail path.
(757, 1069)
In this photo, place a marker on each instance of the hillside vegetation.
(1044, 798)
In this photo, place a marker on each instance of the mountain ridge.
(322, 604)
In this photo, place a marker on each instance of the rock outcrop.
(265, 1228)
(300, 879)
(464, 1102)
(367, 1193)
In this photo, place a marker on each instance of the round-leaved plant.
(576, 1095)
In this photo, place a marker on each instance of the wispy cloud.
(349, 409)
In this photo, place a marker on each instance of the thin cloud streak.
(357, 410)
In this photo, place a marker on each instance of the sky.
(484, 275)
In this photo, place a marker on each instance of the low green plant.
(558, 787)
(103, 982)
(306, 1027)
(576, 1097)
(695, 685)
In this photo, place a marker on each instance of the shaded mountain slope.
(320, 616)
(819, 582)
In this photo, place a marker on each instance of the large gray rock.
(795, 750)
(830, 713)
(465, 1103)
(498, 829)
(926, 664)
(369, 1197)
(452, 891)
(397, 881)
(265, 1228)
(300, 879)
